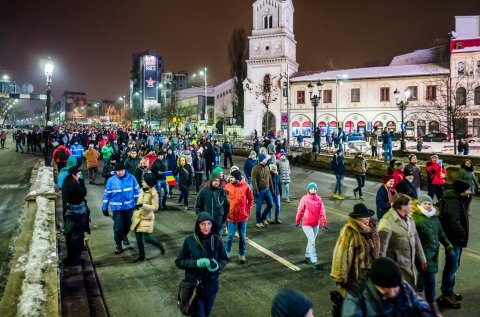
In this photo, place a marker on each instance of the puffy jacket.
(185, 174)
(284, 170)
(382, 201)
(77, 150)
(213, 201)
(143, 219)
(121, 192)
(397, 177)
(131, 164)
(227, 148)
(107, 151)
(241, 201)
(310, 211)
(248, 166)
(338, 165)
(91, 156)
(435, 172)
(55, 157)
(454, 218)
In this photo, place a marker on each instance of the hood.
(71, 162)
(202, 216)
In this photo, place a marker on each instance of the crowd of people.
(379, 266)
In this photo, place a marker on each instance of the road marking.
(257, 246)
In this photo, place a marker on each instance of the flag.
(170, 179)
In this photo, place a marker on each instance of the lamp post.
(48, 69)
(402, 105)
(315, 100)
(204, 74)
(338, 83)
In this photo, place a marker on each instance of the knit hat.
(290, 303)
(407, 172)
(272, 167)
(312, 185)
(73, 170)
(361, 211)
(424, 198)
(237, 174)
(119, 166)
(399, 165)
(214, 176)
(459, 186)
(261, 157)
(386, 178)
(385, 273)
(217, 170)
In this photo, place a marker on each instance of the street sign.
(404, 126)
(29, 96)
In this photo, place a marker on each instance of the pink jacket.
(310, 210)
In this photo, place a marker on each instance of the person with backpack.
(61, 155)
(338, 168)
(436, 175)
(360, 166)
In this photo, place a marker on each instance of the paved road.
(150, 288)
(15, 170)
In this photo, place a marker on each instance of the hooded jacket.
(454, 218)
(284, 169)
(310, 211)
(241, 201)
(71, 162)
(143, 219)
(55, 157)
(214, 201)
(338, 165)
(91, 156)
(407, 188)
(248, 166)
(434, 173)
(121, 193)
(197, 246)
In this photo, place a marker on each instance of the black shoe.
(277, 221)
(308, 260)
(139, 259)
(164, 207)
(125, 241)
(91, 182)
(457, 297)
(355, 194)
(318, 266)
(118, 249)
(448, 301)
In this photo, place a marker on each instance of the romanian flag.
(170, 179)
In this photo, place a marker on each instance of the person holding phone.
(436, 175)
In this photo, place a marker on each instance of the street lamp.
(402, 105)
(48, 69)
(338, 83)
(315, 100)
(204, 74)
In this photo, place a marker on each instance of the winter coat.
(405, 187)
(261, 178)
(121, 193)
(214, 201)
(382, 201)
(431, 234)
(454, 218)
(197, 246)
(227, 148)
(198, 164)
(55, 157)
(185, 175)
(366, 302)
(310, 211)
(151, 159)
(387, 137)
(107, 151)
(417, 179)
(91, 156)
(284, 170)
(139, 171)
(399, 241)
(248, 166)
(143, 219)
(73, 192)
(338, 165)
(159, 169)
(131, 164)
(107, 171)
(360, 165)
(241, 200)
(77, 150)
(276, 184)
(434, 173)
(397, 177)
(63, 173)
(356, 248)
(469, 177)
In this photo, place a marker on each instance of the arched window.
(267, 22)
(461, 98)
(477, 95)
(267, 84)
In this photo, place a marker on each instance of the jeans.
(361, 183)
(162, 200)
(387, 151)
(122, 220)
(203, 303)
(18, 145)
(263, 194)
(311, 233)
(184, 195)
(426, 280)
(338, 185)
(242, 232)
(217, 160)
(437, 190)
(374, 151)
(249, 181)
(451, 267)
(287, 189)
(277, 202)
(149, 238)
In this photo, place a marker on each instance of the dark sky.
(91, 42)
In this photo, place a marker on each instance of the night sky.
(91, 42)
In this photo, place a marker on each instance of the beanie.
(237, 174)
(424, 198)
(119, 166)
(407, 172)
(261, 157)
(385, 273)
(312, 185)
(459, 186)
(290, 303)
(217, 170)
(386, 178)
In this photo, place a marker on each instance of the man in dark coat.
(159, 170)
(227, 154)
(109, 168)
(406, 185)
(132, 161)
(209, 156)
(198, 167)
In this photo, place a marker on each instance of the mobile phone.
(440, 162)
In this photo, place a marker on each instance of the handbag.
(187, 292)
(75, 210)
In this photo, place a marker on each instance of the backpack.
(62, 154)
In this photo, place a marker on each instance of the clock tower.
(272, 53)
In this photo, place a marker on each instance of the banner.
(150, 77)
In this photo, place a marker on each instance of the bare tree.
(237, 55)
(266, 92)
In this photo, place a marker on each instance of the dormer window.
(267, 22)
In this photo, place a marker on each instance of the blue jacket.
(387, 137)
(77, 151)
(248, 166)
(121, 192)
(338, 165)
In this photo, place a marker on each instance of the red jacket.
(151, 159)
(55, 154)
(310, 211)
(435, 172)
(241, 201)
(102, 142)
(397, 177)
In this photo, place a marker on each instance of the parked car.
(473, 139)
(355, 136)
(395, 137)
(435, 137)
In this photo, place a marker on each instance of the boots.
(118, 249)
(436, 309)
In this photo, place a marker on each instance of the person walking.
(227, 153)
(60, 155)
(373, 142)
(240, 197)
(357, 247)
(91, 157)
(77, 152)
(143, 218)
(250, 162)
(199, 169)
(284, 171)
(455, 223)
(275, 194)
(399, 239)
(419, 144)
(417, 178)
(466, 173)
(203, 258)
(387, 145)
(431, 235)
(360, 167)
(121, 193)
(385, 195)
(338, 167)
(109, 168)
(340, 139)
(209, 155)
(310, 212)
(406, 185)
(18, 141)
(107, 151)
(262, 187)
(185, 176)
(436, 175)
(3, 138)
(132, 161)
(159, 170)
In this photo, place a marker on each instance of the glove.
(138, 206)
(203, 263)
(325, 228)
(296, 225)
(105, 213)
(213, 265)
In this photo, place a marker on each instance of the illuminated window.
(413, 92)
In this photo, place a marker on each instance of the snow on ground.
(44, 181)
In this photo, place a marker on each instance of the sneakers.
(277, 222)
(335, 195)
(186, 207)
(242, 259)
(125, 241)
(287, 200)
(271, 222)
(260, 226)
(265, 223)
(448, 301)
(162, 248)
(457, 297)
(317, 266)
(340, 197)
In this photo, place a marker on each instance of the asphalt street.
(275, 257)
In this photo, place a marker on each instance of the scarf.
(427, 213)
(391, 192)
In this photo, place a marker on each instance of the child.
(310, 211)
